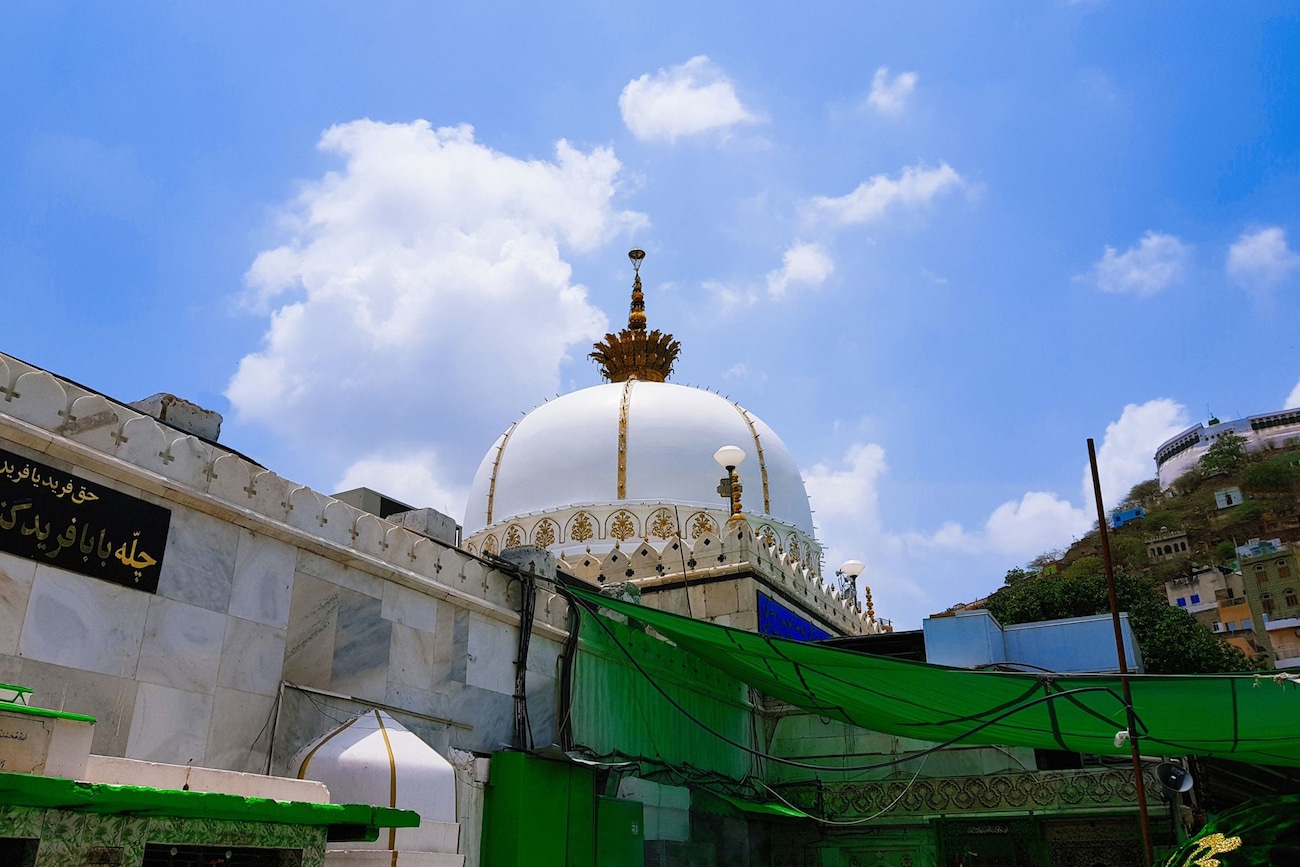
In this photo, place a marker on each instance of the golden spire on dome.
(635, 353)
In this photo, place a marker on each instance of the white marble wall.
(193, 673)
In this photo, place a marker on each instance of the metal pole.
(1123, 665)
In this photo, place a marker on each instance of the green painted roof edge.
(45, 712)
(28, 790)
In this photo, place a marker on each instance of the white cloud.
(915, 574)
(890, 97)
(915, 185)
(1259, 261)
(414, 477)
(1293, 399)
(686, 100)
(1126, 454)
(1155, 264)
(803, 265)
(424, 280)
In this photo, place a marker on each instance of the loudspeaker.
(1173, 777)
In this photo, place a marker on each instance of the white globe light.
(852, 568)
(729, 456)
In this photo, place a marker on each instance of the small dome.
(631, 442)
(373, 759)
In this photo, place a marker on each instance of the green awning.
(1247, 718)
(732, 805)
(346, 821)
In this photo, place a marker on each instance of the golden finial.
(635, 353)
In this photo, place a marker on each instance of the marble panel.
(426, 558)
(411, 657)
(231, 480)
(252, 658)
(313, 619)
(144, 443)
(413, 698)
(401, 546)
(94, 422)
(544, 655)
(490, 713)
(335, 572)
(720, 598)
(337, 522)
(491, 656)
(38, 398)
(263, 577)
(270, 495)
(190, 457)
(457, 649)
(410, 607)
(543, 694)
(182, 646)
(82, 622)
(199, 566)
(169, 725)
(110, 700)
(361, 644)
(16, 574)
(370, 536)
(240, 734)
(306, 509)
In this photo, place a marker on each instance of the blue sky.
(935, 246)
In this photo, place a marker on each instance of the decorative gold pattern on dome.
(490, 545)
(514, 538)
(768, 536)
(635, 353)
(662, 525)
(544, 534)
(496, 465)
(581, 529)
(623, 410)
(758, 448)
(701, 525)
(622, 528)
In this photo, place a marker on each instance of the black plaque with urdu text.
(62, 520)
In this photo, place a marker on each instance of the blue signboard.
(775, 619)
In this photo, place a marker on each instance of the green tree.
(1141, 494)
(1171, 640)
(1226, 453)
(1273, 475)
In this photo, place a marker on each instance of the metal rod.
(1123, 665)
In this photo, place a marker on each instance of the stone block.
(82, 622)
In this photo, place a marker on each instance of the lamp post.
(730, 457)
(848, 573)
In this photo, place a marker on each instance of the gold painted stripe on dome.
(758, 448)
(623, 409)
(496, 465)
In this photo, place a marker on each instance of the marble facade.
(279, 610)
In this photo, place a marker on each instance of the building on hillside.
(1181, 453)
(1203, 593)
(1167, 545)
(1271, 577)
(1226, 498)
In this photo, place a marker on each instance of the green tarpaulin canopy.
(1247, 718)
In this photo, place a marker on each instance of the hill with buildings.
(1216, 546)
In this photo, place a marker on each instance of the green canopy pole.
(1119, 649)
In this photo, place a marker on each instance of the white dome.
(566, 453)
(374, 759)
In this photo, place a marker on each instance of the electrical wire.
(824, 768)
(863, 820)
